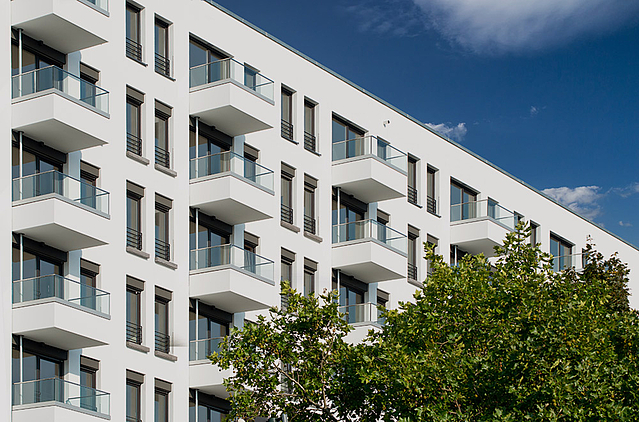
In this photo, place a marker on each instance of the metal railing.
(56, 183)
(162, 65)
(310, 224)
(370, 229)
(230, 162)
(412, 195)
(133, 50)
(484, 208)
(216, 256)
(230, 69)
(360, 312)
(431, 205)
(54, 78)
(371, 145)
(310, 142)
(162, 157)
(201, 349)
(287, 214)
(134, 238)
(133, 332)
(576, 261)
(162, 249)
(412, 272)
(61, 391)
(134, 144)
(162, 342)
(100, 4)
(287, 130)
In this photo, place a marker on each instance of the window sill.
(291, 141)
(166, 356)
(312, 236)
(137, 252)
(137, 158)
(415, 283)
(415, 204)
(313, 152)
(165, 170)
(138, 61)
(137, 347)
(436, 215)
(168, 264)
(166, 76)
(289, 226)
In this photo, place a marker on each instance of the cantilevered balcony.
(232, 188)
(61, 211)
(479, 226)
(232, 279)
(58, 400)
(202, 375)
(362, 317)
(370, 169)
(66, 25)
(369, 251)
(51, 104)
(60, 312)
(230, 96)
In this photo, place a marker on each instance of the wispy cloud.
(456, 133)
(625, 224)
(534, 111)
(627, 191)
(400, 18)
(584, 200)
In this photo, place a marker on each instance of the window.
(41, 168)
(351, 298)
(88, 382)
(288, 173)
(250, 162)
(134, 195)
(162, 115)
(162, 337)
(561, 250)
(348, 220)
(134, 289)
(42, 268)
(413, 239)
(89, 78)
(309, 126)
(286, 273)
(207, 65)
(287, 114)
(463, 202)
(207, 328)
(431, 191)
(206, 408)
(208, 241)
(162, 244)
(88, 282)
(134, 383)
(310, 223)
(412, 180)
(162, 62)
(133, 40)
(310, 268)
(162, 391)
(89, 175)
(431, 242)
(347, 140)
(134, 101)
(534, 228)
(42, 363)
(251, 242)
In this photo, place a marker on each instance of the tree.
(301, 348)
(512, 342)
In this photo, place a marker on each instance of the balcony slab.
(477, 236)
(208, 378)
(369, 179)
(369, 260)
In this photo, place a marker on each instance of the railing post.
(197, 246)
(197, 150)
(21, 158)
(20, 79)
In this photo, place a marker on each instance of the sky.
(547, 90)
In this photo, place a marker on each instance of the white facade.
(81, 125)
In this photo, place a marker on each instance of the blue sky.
(547, 90)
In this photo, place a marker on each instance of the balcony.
(61, 211)
(370, 169)
(232, 279)
(232, 188)
(369, 251)
(66, 25)
(362, 317)
(202, 375)
(58, 400)
(575, 261)
(53, 105)
(233, 98)
(60, 312)
(477, 227)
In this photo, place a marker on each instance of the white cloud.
(456, 133)
(584, 200)
(627, 191)
(533, 111)
(625, 224)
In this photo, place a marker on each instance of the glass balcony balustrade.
(576, 261)
(232, 255)
(371, 230)
(230, 69)
(361, 312)
(201, 349)
(100, 4)
(371, 145)
(230, 162)
(484, 208)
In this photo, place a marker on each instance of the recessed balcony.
(66, 25)
(232, 97)
(232, 188)
(69, 114)
(58, 400)
(232, 279)
(370, 169)
(202, 374)
(60, 312)
(369, 251)
(478, 226)
(61, 211)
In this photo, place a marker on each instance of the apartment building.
(170, 163)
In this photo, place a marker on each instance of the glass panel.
(286, 106)
(161, 407)
(132, 402)
(161, 39)
(161, 317)
(309, 118)
(161, 133)
(133, 119)
(133, 213)
(132, 307)
(132, 24)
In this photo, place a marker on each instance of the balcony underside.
(368, 261)
(478, 235)
(52, 412)
(208, 378)
(369, 179)
(360, 331)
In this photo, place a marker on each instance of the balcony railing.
(370, 229)
(134, 238)
(133, 50)
(162, 65)
(287, 214)
(230, 69)
(371, 145)
(100, 4)
(162, 249)
(133, 332)
(216, 256)
(412, 272)
(287, 130)
(360, 312)
(310, 142)
(162, 342)
(200, 349)
(61, 391)
(134, 144)
(230, 162)
(54, 78)
(56, 183)
(412, 195)
(310, 224)
(484, 208)
(575, 261)
(431, 205)
(56, 286)
(162, 157)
